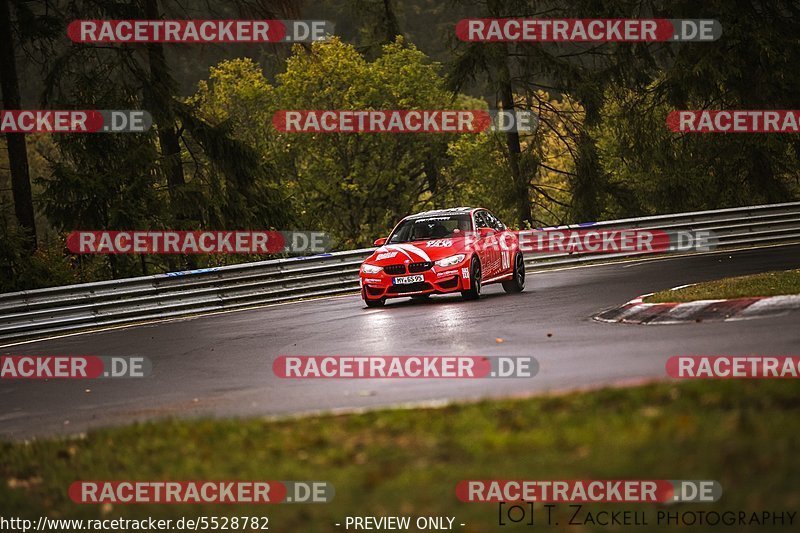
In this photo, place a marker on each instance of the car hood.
(417, 251)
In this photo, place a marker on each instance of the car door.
(506, 244)
(488, 246)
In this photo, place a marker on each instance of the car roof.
(442, 212)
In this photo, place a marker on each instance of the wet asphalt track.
(222, 365)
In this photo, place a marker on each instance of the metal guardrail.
(57, 310)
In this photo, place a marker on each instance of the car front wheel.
(375, 303)
(370, 302)
(474, 291)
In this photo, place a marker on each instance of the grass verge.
(764, 284)
(745, 434)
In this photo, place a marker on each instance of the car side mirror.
(485, 232)
(380, 242)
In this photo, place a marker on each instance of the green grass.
(765, 284)
(744, 434)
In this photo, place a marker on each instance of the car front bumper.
(436, 280)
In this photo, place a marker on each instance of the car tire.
(475, 271)
(374, 303)
(517, 282)
(370, 302)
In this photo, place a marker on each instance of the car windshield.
(434, 227)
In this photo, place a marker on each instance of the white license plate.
(405, 280)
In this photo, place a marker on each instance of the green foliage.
(362, 182)
(653, 170)
(352, 185)
(478, 170)
(752, 66)
(624, 161)
(228, 118)
(776, 283)
(741, 433)
(602, 149)
(21, 270)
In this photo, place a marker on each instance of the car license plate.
(405, 280)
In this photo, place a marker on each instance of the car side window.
(494, 221)
(480, 220)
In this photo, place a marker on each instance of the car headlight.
(450, 261)
(370, 269)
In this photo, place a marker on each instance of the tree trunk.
(764, 184)
(17, 149)
(163, 114)
(521, 187)
(391, 24)
(186, 211)
(587, 185)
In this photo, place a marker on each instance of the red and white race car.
(438, 252)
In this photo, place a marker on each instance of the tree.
(352, 185)
(478, 173)
(535, 73)
(653, 170)
(15, 142)
(365, 181)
